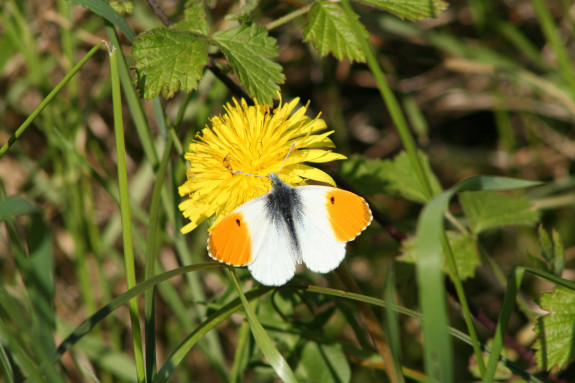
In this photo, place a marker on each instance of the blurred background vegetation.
(488, 87)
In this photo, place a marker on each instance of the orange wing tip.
(348, 213)
(230, 241)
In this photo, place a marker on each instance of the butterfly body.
(273, 233)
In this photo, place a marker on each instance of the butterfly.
(273, 233)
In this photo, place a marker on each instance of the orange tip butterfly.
(273, 233)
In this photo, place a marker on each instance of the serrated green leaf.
(324, 363)
(242, 14)
(552, 252)
(167, 61)
(195, 20)
(364, 174)
(487, 209)
(554, 348)
(395, 176)
(331, 31)
(248, 49)
(464, 249)
(409, 9)
(122, 7)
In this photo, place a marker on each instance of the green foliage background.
(458, 123)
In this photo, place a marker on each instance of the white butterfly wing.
(275, 258)
(331, 217)
(251, 235)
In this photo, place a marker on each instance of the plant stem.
(22, 128)
(125, 214)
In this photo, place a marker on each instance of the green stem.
(390, 101)
(125, 214)
(265, 344)
(372, 325)
(289, 17)
(22, 128)
(463, 302)
(551, 33)
(151, 254)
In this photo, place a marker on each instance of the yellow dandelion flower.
(253, 140)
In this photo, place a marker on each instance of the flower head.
(252, 140)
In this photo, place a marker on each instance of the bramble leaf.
(167, 61)
(464, 250)
(395, 176)
(331, 31)
(242, 14)
(488, 209)
(554, 348)
(323, 363)
(195, 20)
(409, 9)
(248, 49)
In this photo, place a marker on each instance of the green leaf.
(432, 298)
(265, 344)
(168, 60)
(395, 176)
(331, 31)
(242, 14)
(554, 348)
(486, 209)
(248, 49)
(502, 372)
(552, 251)
(409, 9)
(123, 7)
(464, 249)
(195, 20)
(87, 325)
(14, 206)
(102, 8)
(324, 363)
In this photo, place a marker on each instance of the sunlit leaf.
(395, 176)
(464, 250)
(438, 356)
(242, 14)
(102, 8)
(13, 206)
(487, 209)
(195, 20)
(556, 331)
(167, 61)
(324, 363)
(331, 31)
(409, 9)
(249, 49)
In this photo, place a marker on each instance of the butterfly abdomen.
(285, 210)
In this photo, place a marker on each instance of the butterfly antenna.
(247, 174)
(287, 155)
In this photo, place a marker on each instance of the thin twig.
(160, 13)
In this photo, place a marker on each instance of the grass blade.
(22, 128)
(392, 105)
(151, 254)
(89, 323)
(125, 213)
(212, 321)
(262, 339)
(431, 240)
(102, 8)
